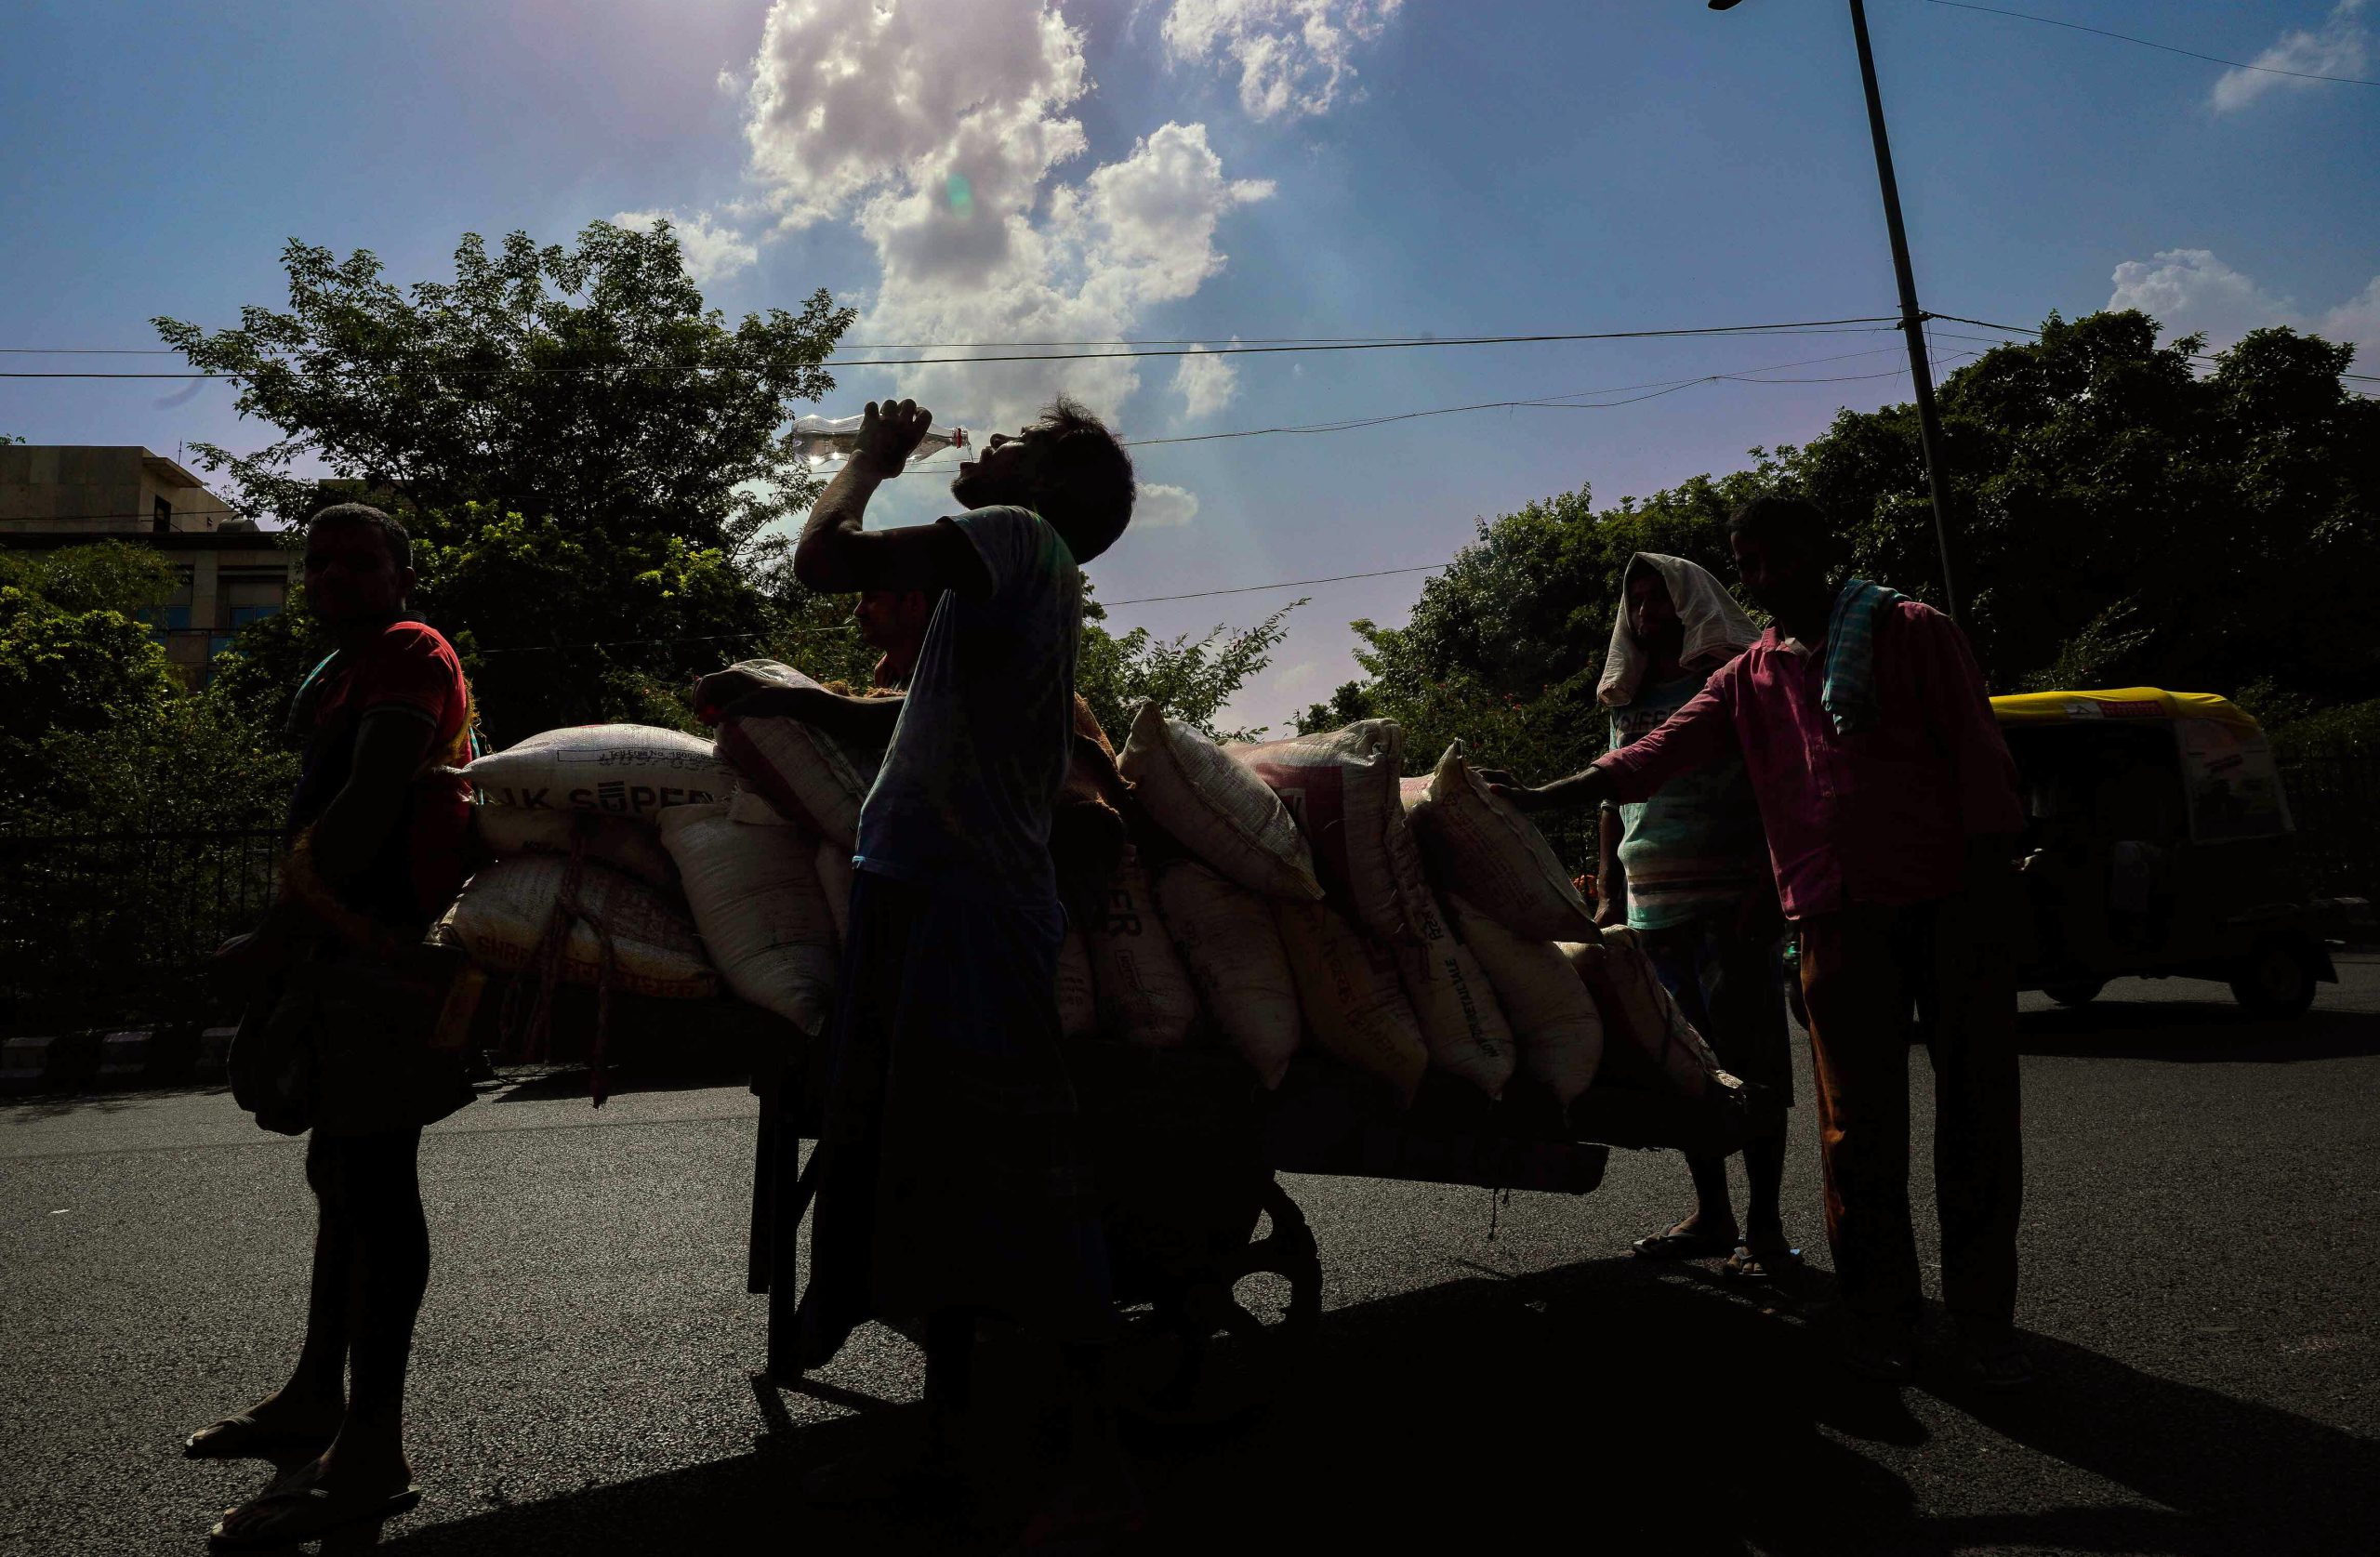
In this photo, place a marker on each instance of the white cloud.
(1206, 382)
(2337, 47)
(2358, 320)
(848, 94)
(1161, 506)
(941, 130)
(710, 252)
(2192, 290)
(1293, 56)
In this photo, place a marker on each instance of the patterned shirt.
(1697, 846)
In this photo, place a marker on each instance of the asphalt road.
(2200, 1270)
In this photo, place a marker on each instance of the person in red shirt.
(333, 1044)
(1890, 805)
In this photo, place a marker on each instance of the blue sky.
(1212, 168)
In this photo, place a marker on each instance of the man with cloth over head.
(1890, 805)
(1692, 868)
(951, 1184)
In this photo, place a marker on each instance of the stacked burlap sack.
(634, 859)
(1256, 896)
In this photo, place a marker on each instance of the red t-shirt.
(412, 667)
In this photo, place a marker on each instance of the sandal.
(242, 1437)
(1684, 1243)
(1762, 1265)
(279, 1520)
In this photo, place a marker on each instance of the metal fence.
(99, 928)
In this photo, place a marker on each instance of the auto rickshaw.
(2158, 844)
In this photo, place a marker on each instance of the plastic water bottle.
(820, 439)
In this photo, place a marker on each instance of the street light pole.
(1913, 322)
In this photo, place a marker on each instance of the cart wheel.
(1222, 1345)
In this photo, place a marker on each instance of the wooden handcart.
(1216, 1268)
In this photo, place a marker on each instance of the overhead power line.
(2147, 43)
(1284, 584)
(1804, 326)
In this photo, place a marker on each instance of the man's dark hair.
(1796, 524)
(392, 535)
(1085, 478)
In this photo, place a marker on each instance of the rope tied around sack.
(545, 961)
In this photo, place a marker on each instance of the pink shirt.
(1878, 817)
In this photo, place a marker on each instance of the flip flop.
(1755, 1265)
(303, 1514)
(242, 1437)
(1674, 1244)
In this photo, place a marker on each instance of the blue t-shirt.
(962, 802)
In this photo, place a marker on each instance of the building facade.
(58, 495)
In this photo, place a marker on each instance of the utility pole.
(1912, 322)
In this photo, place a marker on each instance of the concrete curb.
(114, 1060)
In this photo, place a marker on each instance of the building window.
(161, 517)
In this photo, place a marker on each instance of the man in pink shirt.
(1890, 806)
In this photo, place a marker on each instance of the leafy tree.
(1189, 678)
(2126, 516)
(585, 454)
(101, 734)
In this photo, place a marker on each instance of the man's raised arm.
(1701, 730)
(837, 556)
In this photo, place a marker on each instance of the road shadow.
(2188, 1032)
(1611, 1405)
(25, 1110)
(515, 1083)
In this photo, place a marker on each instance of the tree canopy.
(2128, 513)
(100, 732)
(585, 456)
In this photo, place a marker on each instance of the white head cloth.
(1716, 628)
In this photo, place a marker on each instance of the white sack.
(753, 888)
(1348, 988)
(508, 832)
(1144, 994)
(618, 769)
(1216, 808)
(1639, 1014)
(504, 910)
(810, 775)
(1342, 789)
(1233, 950)
(1483, 848)
(1554, 1017)
(1462, 1025)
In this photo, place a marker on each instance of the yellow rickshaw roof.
(2119, 703)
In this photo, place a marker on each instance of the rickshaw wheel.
(2075, 992)
(1220, 1345)
(2276, 982)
